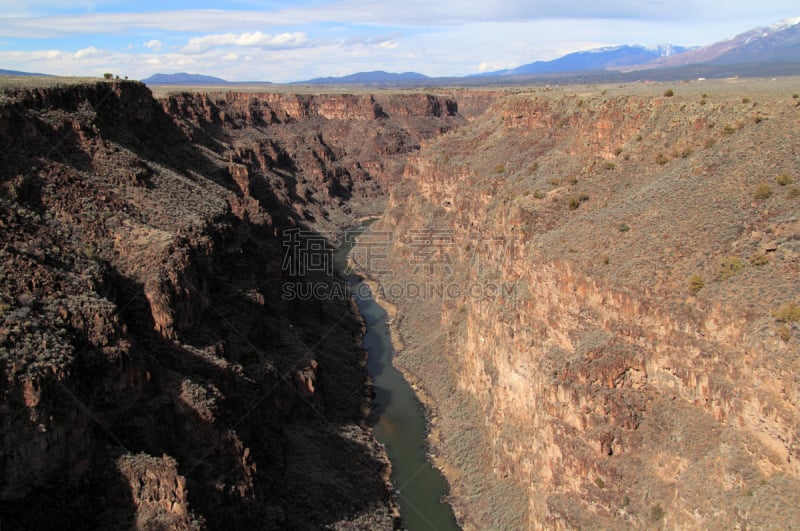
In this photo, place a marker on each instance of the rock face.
(597, 293)
(330, 158)
(153, 376)
(589, 291)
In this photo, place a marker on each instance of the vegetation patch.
(575, 201)
(656, 513)
(788, 312)
(759, 259)
(784, 179)
(696, 283)
(728, 267)
(763, 191)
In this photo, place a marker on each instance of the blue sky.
(291, 41)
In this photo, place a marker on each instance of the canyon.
(603, 327)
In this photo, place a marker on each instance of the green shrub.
(555, 181)
(572, 180)
(728, 267)
(599, 482)
(788, 312)
(500, 168)
(538, 195)
(575, 202)
(608, 165)
(759, 259)
(784, 179)
(623, 227)
(669, 93)
(656, 513)
(763, 191)
(696, 283)
(745, 100)
(728, 130)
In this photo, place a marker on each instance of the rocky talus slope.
(152, 375)
(619, 346)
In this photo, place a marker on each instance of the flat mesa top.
(725, 86)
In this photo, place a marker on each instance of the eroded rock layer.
(598, 293)
(153, 375)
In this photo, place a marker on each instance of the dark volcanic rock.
(152, 373)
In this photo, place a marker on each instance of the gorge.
(604, 327)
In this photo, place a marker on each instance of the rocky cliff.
(598, 294)
(152, 374)
(596, 290)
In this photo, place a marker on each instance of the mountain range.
(771, 50)
(762, 49)
(596, 59)
(776, 43)
(368, 78)
(183, 78)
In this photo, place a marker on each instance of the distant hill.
(596, 59)
(772, 44)
(183, 79)
(378, 77)
(18, 73)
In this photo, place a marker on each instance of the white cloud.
(90, 53)
(493, 67)
(442, 38)
(154, 45)
(420, 13)
(256, 39)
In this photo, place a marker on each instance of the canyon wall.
(153, 376)
(597, 295)
(595, 291)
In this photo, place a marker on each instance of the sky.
(280, 41)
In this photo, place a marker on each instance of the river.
(401, 424)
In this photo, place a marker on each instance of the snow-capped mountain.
(779, 42)
(612, 57)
